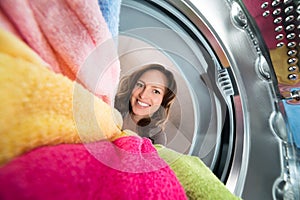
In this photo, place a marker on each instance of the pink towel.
(129, 168)
(65, 33)
(6, 24)
(22, 17)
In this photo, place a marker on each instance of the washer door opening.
(214, 62)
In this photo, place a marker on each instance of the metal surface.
(260, 151)
(247, 160)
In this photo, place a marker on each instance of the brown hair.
(127, 83)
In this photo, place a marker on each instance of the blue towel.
(111, 12)
(293, 113)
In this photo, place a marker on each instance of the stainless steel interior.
(227, 99)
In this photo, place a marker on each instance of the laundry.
(21, 18)
(39, 107)
(6, 24)
(197, 179)
(57, 137)
(96, 171)
(40, 126)
(60, 140)
(44, 115)
(111, 13)
(64, 34)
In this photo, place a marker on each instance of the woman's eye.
(139, 84)
(156, 92)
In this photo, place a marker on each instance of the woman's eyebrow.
(153, 84)
(159, 86)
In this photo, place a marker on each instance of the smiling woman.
(144, 99)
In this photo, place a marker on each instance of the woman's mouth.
(143, 104)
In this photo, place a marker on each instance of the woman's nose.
(144, 93)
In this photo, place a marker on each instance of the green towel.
(197, 179)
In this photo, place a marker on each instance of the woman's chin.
(140, 115)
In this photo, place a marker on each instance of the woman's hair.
(127, 84)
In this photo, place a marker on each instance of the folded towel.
(197, 179)
(77, 171)
(39, 107)
(111, 13)
(64, 33)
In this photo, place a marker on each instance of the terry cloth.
(6, 24)
(197, 179)
(293, 122)
(111, 13)
(39, 107)
(64, 33)
(76, 171)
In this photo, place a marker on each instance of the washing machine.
(228, 107)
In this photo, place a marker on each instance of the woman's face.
(148, 93)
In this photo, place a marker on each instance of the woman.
(144, 99)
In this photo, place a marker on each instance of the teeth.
(142, 104)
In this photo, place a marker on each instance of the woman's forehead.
(154, 77)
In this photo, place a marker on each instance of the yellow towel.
(39, 107)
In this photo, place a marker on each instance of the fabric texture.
(39, 107)
(51, 148)
(53, 130)
(196, 178)
(64, 33)
(111, 13)
(76, 171)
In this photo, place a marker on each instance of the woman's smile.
(142, 104)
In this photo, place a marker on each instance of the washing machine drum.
(225, 94)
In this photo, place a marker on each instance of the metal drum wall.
(226, 96)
